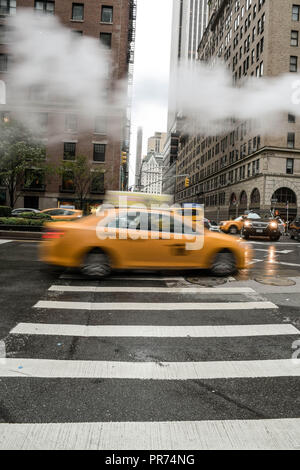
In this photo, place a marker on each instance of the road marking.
(254, 261)
(154, 306)
(5, 241)
(282, 252)
(263, 434)
(282, 262)
(155, 290)
(48, 368)
(270, 243)
(125, 278)
(154, 331)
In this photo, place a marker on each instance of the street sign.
(273, 201)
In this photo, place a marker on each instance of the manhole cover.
(207, 282)
(275, 281)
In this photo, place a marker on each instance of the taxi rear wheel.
(224, 264)
(96, 264)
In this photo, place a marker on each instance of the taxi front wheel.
(96, 264)
(224, 264)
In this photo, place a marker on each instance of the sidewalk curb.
(19, 235)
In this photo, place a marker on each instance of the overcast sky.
(151, 71)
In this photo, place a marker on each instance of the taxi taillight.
(54, 234)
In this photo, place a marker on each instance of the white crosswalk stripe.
(116, 434)
(100, 306)
(154, 331)
(264, 434)
(2, 242)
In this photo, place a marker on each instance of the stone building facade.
(245, 169)
(112, 23)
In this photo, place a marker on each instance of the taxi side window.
(130, 220)
(55, 212)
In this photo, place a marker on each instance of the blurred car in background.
(235, 226)
(63, 214)
(294, 229)
(210, 226)
(16, 212)
(117, 239)
(263, 227)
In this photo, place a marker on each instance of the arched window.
(284, 195)
(233, 199)
(255, 196)
(243, 199)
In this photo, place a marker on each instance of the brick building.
(112, 23)
(244, 170)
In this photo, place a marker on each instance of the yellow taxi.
(59, 213)
(235, 226)
(138, 239)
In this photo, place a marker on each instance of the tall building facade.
(112, 23)
(189, 19)
(138, 159)
(157, 142)
(151, 173)
(243, 170)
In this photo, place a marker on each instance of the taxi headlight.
(274, 224)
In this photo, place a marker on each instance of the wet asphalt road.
(31, 398)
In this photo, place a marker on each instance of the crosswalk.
(133, 363)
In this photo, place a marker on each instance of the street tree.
(22, 155)
(81, 176)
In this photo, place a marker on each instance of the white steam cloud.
(208, 100)
(53, 65)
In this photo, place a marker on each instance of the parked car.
(138, 239)
(263, 227)
(213, 227)
(63, 214)
(294, 229)
(16, 212)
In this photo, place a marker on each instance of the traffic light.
(124, 158)
(187, 182)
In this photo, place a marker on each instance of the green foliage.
(19, 151)
(5, 211)
(20, 221)
(34, 216)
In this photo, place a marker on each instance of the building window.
(293, 63)
(100, 125)
(99, 152)
(292, 118)
(3, 62)
(44, 7)
(71, 123)
(291, 140)
(68, 181)
(296, 12)
(105, 39)
(77, 11)
(289, 166)
(97, 185)
(294, 38)
(8, 7)
(69, 150)
(106, 14)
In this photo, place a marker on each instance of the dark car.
(264, 227)
(294, 229)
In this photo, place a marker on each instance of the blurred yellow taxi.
(235, 226)
(63, 214)
(139, 238)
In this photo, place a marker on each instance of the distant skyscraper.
(138, 161)
(189, 20)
